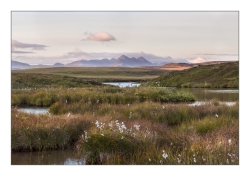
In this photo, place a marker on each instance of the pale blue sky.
(185, 35)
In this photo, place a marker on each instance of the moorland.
(104, 124)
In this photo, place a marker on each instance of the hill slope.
(222, 75)
(15, 65)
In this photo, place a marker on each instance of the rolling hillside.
(223, 75)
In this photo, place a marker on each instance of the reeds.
(111, 95)
(144, 142)
(42, 132)
(137, 133)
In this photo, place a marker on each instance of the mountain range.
(122, 61)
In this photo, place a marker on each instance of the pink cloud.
(100, 36)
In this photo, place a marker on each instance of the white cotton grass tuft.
(137, 127)
(178, 160)
(100, 125)
(164, 155)
(85, 136)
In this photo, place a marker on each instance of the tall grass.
(42, 132)
(151, 134)
(111, 95)
(156, 143)
(171, 114)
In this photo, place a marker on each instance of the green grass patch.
(66, 99)
(225, 75)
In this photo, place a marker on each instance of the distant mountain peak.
(58, 64)
(123, 57)
(124, 61)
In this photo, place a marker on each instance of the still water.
(123, 84)
(32, 110)
(59, 157)
(203, 94)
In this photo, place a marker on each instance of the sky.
(47, 37)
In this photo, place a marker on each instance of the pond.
(201, 103)
(204, 94)
(32, 110)
(58, 157)
(123, 84)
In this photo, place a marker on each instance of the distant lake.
(123, 84)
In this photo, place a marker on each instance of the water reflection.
(123, 84)
(202, 94)
(34, 110)
(222, 91)
(60, 157)
(201, 103)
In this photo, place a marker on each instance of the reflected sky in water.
(34, 110)
(58, 157)
(123, 84)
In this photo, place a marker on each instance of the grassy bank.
(43, 132)
(68, 99)
(136, 134)
(78, 77)
(36, 80)
(225, 75)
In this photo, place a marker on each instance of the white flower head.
(137, 127)
(165, 155)
(178, 159)
(97, 123)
